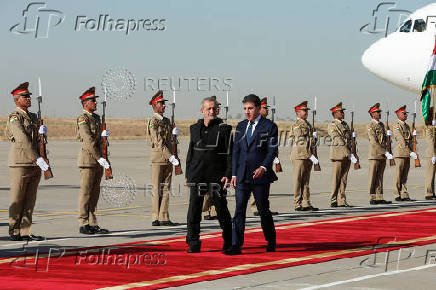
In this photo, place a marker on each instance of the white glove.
(433, 160)
(276, 160)
(42, 164)
(315, 135)
(176, 131)
(43, 130)
(352, 158)
(433, 122)
(414, 133)
(413, 155)
(103, 162)
(389, 132)
(354, 134)
(313, 159)
(105, 133)
(173, 160)
(389, 156)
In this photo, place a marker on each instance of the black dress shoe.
(155, 223)
(384, 201)
(399, 199)
(167, 224)
(271, 247)
(98, 230)
(226, 247)
(430, 197)
(334, 204)
(310, 208)
(274, 213)
(373, 202)
(194, 249)
(256, 213)
(15, 238)
(345, 205)
(233, 251)
(298, 208)
(86, 230)
(407, 199)
(210, 217)
(32, 238)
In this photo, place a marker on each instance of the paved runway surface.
(56, 218)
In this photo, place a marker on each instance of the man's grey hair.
(208, 99)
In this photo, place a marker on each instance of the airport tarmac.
(55, 217)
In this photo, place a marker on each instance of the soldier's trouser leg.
(336, 180)
(429, 178)
(208, 207)
(346, 163)
(380, 174)
(252, 203)
(374, 168)
(306, 179)
(297, 176)
(401, 172)
(87, 181)
(95, 195)
(161, 180)
(24, 185)
(340, 170)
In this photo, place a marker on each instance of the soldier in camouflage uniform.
(90, 162)
(25, 165)
(302, 158)
(377, 155)
(403, 151)
(340, 155)
(162, 160)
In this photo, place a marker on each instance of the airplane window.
(419, 25)
(406, 26)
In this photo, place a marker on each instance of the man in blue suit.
(255, 147)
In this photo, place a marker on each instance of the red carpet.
(129, 265)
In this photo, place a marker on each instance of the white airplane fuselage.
(402, 57)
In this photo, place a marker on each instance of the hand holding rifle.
(42, 161)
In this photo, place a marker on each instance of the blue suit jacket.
(260, 152)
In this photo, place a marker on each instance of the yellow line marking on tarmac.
(257, 265)
(120, 214)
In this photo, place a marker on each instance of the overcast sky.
(293, 50)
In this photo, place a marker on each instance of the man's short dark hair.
(252, 98)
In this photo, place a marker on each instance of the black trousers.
(261, 195)
(219, 200)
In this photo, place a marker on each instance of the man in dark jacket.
(253, 153)
(208, 170)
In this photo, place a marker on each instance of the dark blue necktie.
(250, 132)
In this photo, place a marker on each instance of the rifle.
(417, 162)
(226, 108)
(178, 168)
(105, 142)
(354, 143)
(273, 112)
(389, 143)
(42, 138)
(316, 167)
